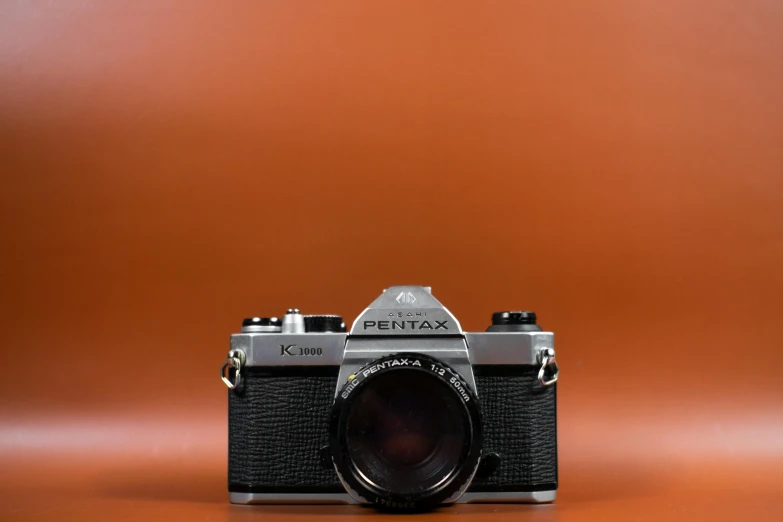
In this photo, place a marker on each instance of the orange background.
(171, 167)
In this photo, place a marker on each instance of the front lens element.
(407, 431)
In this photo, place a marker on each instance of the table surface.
(78, 487)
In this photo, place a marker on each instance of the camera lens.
(406, 432)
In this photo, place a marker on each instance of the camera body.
(406, 411)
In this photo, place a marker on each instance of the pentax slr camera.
(405, 412)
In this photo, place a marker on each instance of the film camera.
(405, 412)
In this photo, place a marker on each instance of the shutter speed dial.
(324, 323)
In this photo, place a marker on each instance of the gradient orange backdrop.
(171, 167)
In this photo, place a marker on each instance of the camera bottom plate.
(497, 497)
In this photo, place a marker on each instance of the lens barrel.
(406, 433)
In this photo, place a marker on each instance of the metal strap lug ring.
(547, 357)
(235, 360)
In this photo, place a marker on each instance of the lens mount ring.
(455, 391)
